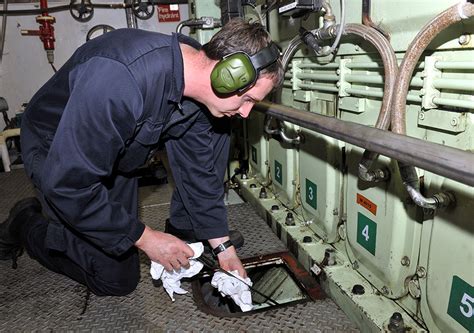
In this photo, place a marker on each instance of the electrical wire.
(341, 27)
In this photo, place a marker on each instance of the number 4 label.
(461, 303)
(366, 233)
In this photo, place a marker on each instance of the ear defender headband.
(238, 71)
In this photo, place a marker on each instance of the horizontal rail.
(445, 161)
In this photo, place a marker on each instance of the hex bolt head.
(263, 193)
(405, 261)
(307, 239)
(385, 290)
(464, 39)
(253, 185)
(275, 208)
(396, 323)
(244, 176)
(289, 219)
(454, 122)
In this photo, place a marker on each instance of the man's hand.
(165, 249)
(228, 259)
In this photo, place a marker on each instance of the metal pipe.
(379, 94)
(454, 84)
(129, 16)
(452, 15)
(320, 87)
(413, 54)
(3, 34)
(318, 77)
(367, 19)
(454, 65)
(449, 162)
(458, 103)
(318, 66)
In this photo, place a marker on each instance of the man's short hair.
(241, 36)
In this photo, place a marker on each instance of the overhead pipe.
(445, 161)
(452, 15)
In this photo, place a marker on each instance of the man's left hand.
(228, 259)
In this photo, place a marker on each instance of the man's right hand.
(165, 249)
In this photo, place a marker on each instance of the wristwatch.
(221, 247)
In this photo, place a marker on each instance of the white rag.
(235, 288)
(172, 280)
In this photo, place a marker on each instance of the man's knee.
(121, 286)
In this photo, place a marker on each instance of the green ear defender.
(238, 71)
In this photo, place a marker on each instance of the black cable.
(54, 68)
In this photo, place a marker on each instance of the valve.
(143, 9)
(104, 27)
(82, 11)
(45, 32)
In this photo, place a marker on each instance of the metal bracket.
(430, 73)
(342, 84)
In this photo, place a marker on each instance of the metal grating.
(35, 299)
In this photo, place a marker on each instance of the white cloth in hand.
(235, 288)
(172, 280)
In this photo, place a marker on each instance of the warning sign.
(168, 13)
(367, 204)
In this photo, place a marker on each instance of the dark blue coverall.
(85, 132)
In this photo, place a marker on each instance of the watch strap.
(221, 247)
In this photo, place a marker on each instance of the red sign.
(168, 13)
(367, 204)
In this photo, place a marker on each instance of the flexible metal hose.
(390, 71)
(450, 16)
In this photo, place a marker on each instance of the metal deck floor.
(35, 299)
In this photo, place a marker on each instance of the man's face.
(241, 104)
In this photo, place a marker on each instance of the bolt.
(421, 272)
(266, 162)
(330, 256)
(355, 265)
(243, 176)
(275, 208)
(338, 71)
(421, 116)
(385, 290)
(454, 122)
(293, 182)
(253, 186)
(396, 323)
(422, 91)
(405, 261)
(263, 193)
(307, 239)
(289, 219)
(464, 39)
(335, 211)
(338, 84)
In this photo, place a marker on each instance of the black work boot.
(10, 241)
(235, 236)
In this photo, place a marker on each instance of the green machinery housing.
(395, 251)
